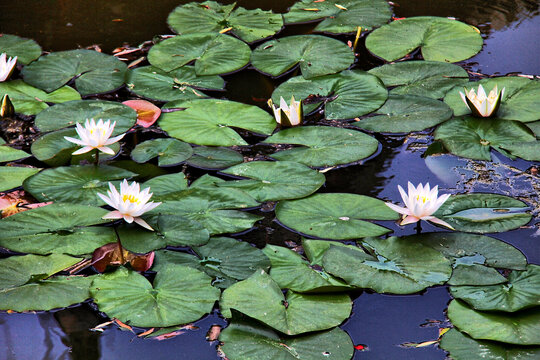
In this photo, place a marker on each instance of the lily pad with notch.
(165, 184)
(440, 39)
(317, 55)
(168, 151)
(340, 16)
(26, 50)
(484, 213)
(346, 95)
(260, 297)
(431, 79)
(406, 113)
(178, 295)
(92, 72)
(13, 176)
(181, 84)
(274, 180)
(335, 216)
(323, 146)
(210, 16)
(213, 53)
(210, 121)
(393, 265)
(214, 158)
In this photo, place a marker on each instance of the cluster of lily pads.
(189, 259)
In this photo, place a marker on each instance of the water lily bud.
(480, 104)
(288, 115)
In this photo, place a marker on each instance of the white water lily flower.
(130, 203)
(287, 115)
(420, 204)
(6, 66)
(480, 104)
(95, 136)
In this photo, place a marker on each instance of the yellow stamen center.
(424, 198)
(131, 199)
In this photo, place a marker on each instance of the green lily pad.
(474, 274)
(323, 146)
(168, 151)
(178, 295)
(94, 72)
(291, 271)
(225, 259)
(169, 230)
(367, 14)
(7, 153)
(210, 16)
(518, 103)
(394, 266)
(440, 39)
(525, 150)
(78, 184)
(248, 340)
(70, 113)
(522, 291)
(76, 241)
(165, 184)
(520, 328)
(346, 95)
(214, 158)
(56, 218)
(474, 137)
(214, 54)
(181, 84)
(317, 55)
(13, 176)
(315, 249)
(29, 100)
(44, 295)
(260, 297)
(335, 216)
(483, 213)
(26, 50)
(431, 79)
(209, 121)
(272, 181)
(406, 113)
(535, 127)
(463, 347)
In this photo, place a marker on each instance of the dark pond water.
(382, 322)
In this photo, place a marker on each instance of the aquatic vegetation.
(287, 115)
(95, 136)
(480, 104)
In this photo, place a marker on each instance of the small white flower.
(95, 136)
(130, 203)
(287, 115)
(420, 204)
(6, 66)
(480, 104)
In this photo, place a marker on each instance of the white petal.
(83, 150)
(113, 215)
(409, 220)
(143, 223)
(76, 141)
(398, 209)
(435, 220)
(106, 150)
(113, 140)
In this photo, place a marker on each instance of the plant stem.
(96, 162)
(119, 245)
(418, 228)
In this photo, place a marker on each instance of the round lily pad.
(335, 216)
(520, 328)
(26, 50)
(317, 55)
(69, 113)
(77, 184)
(209, 121)
(431, 79)
(94, 72)
(323, 146)
(340, 16)
(440, 39)
(248, 340)
(29, 100)
(474, 137)
(13, 176)
(214, 54)
(181, 84)
(522, 291)
(178, 295)
(463, 347)
(406, 113)
(260, 298)
(214, 158)
(394, 266)
(346, 95)
(168, 151)
(483, 213)
(210, 16)
(275, 180)
(519, 101)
